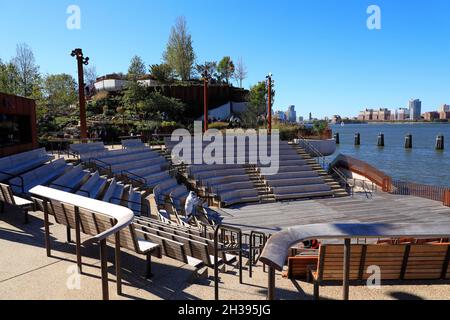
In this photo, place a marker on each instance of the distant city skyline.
(322, 55)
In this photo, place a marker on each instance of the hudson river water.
(422, 163)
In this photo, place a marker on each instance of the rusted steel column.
(271, 284)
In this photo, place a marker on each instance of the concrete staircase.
(338, 190)
(264, 191)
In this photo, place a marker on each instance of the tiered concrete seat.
(114, 193)
(87, 150)
(178, 196)
(133, 144)
(40, 176)
(217, 181)
(22, 162)
(163, 189)
(133, 165)
(124, 157)
(70, 180)
(291, 175)
(225, 187)
(93, 187)
(134, 201)
(302, 191)
(239, 196)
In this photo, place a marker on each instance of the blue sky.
(323, 57)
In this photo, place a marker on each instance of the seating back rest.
(428, 261)
(331, 257)
(170, 248)
(127, 239)
(396, 262)
(193, 248)
(64, 213)
(6, 194)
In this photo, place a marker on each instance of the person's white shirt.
(191, 202)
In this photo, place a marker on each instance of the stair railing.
(325, 164)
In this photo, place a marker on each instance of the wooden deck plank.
(383, 207)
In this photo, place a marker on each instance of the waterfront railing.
(437, 193)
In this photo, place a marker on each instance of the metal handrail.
(252, 249)
(129, 173)
(326, 163)
(226, 247)
(105, 166)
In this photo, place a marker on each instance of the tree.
(27, 69)
(226, 68)
(9, 78)
(256, 105)
(179, 54)
(59, 92)
(90, 75)
(137, 68)
(240, 73)
(211, 66)
(161, 72)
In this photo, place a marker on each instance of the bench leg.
(25, 212)
(149, 273)
(316, 290)
(69, 237)
(47, 235)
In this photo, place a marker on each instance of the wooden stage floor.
(383, 208)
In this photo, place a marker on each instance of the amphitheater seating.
(217, 181)
(7, 197)
(302, 191)
(70, 180)
(162, 190)
(86, 150)
(22, 162)
(239, 196)
(93, 224)
(114, 192)
(134, 201)
(133, 144)
(226, 187)
(134, 165)
(93, 186)
(40, 176)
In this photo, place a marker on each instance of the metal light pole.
(269, 103)
(81, 61)
(206, 78)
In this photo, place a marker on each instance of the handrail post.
(118, 264)
(271, 283)
(104, 269)
(216, 268)
(346, 275)
(78, 238)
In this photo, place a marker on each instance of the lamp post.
(206, 76)
(81, 61)
(269, 103)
